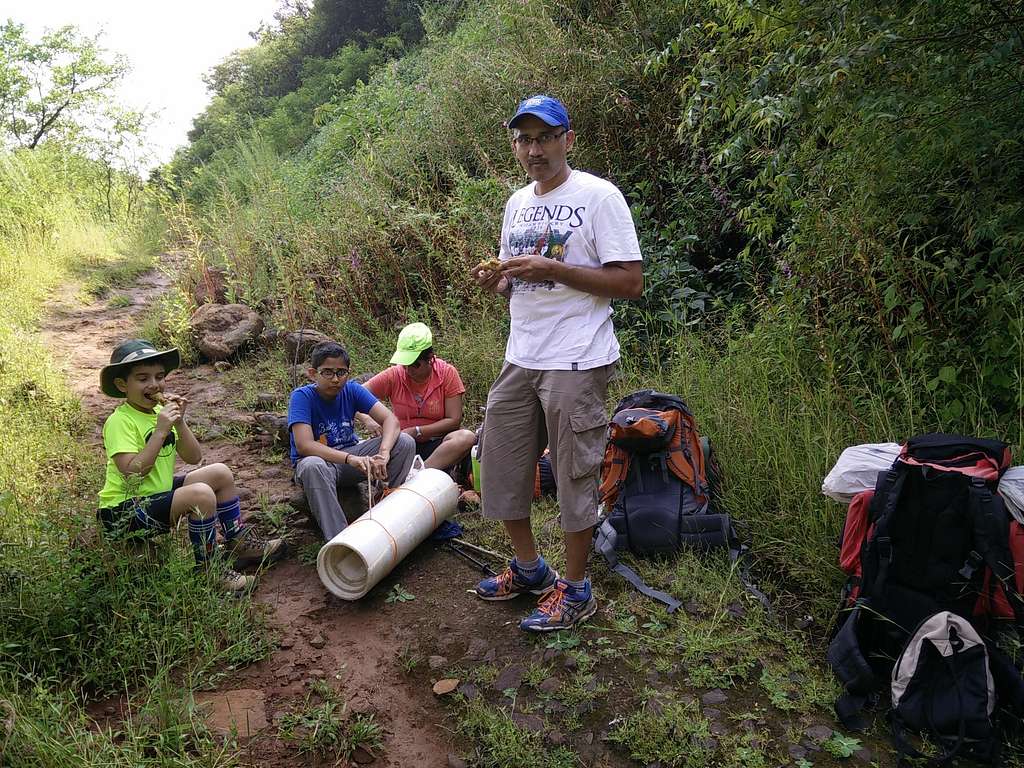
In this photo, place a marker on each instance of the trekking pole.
(483, 550)
(484, 568)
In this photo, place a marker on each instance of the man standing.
(568, 246)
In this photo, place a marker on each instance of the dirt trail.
(356, 647)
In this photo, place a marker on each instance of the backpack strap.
(991, 536)
(887, 497)
(614, 468)
(604, 544)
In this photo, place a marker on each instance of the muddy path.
(355, 647)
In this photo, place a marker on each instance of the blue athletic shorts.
(149, 514)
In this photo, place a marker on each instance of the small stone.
(446, 686)
(286, 643)
(469, 691)
(712, 714)
(221, 366)
(550, 685)
(818, 734)
(490, 656)
(319, 674)
(359, 704)
(797, 752)
(570, 662)
(692, 607)
(718, 728)
(318, 641)
(531, 723)
(477, 648)
(736, 611)
(454, 761)
(110, 710)
(550, 654)
(362, 756)
(714, 698)
(511, 677)
(436, 662)
(588, 737)
(244, 494)
(864, 755)
(266, 401)
(555, 737)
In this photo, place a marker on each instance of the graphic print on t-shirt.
(335, 433)
(538, 241)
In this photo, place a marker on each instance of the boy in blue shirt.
(141, 493)
(325, 451)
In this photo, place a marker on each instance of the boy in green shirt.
(141, 493)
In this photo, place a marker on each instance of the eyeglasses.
(523, 141)
(331, 373)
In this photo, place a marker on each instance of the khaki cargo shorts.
(530, 410)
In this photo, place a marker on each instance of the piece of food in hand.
(491, 265)
(159, 397)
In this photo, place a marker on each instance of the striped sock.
(203, 535)
(230, 515)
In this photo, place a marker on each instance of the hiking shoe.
(510, 584)
(247, 549)
(233, 582)
(559, 611)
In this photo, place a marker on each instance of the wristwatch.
(419, 432)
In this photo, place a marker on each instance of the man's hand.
(488, 278)
(532, 269)
(168, 417)
(368, 424)
(379, 466)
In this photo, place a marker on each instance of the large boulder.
(221, 330)
(299, 343)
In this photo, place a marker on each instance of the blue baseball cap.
(546, 108)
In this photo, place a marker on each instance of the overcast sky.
(170, 46)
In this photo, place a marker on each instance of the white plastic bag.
(857, 470)
(1011, 488)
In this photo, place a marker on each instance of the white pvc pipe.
(352, 563)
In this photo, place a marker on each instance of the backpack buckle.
(884, 544)
(971, 565)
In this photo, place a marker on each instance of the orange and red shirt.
(414, 404)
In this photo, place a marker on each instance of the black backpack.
(935, 539)
(943, 688)
(659, 480)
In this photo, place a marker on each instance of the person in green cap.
(141, 494)
(426, 395)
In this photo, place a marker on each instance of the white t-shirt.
(584, 222)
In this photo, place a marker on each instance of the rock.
(270, 337)
(588, 737)
(712, 714)
(244, 494)
(718, 728)
(818, 734)
(555, 737)
(864, 755)
(555, 707)
(275, 425)
(286, 643)
(797, 752)
(454, 761)
(511, 677)
(299, 343)
(551, 685)
(736, 611)
(531, 723)
(436, 662)
(222, 366)
(318, 674)
(241, 711)
(469, 691)
(222, 330)
(693, 608)
(110, 710)
(570, 662)
(490, 656)
(714, 698)
(318, 641)
(446, 686)
(211, 287)
(266, 401)
(362, 756)
(550, 654)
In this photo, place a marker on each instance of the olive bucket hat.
(129, 353)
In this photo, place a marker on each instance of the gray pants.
(320, 479)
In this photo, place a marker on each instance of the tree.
(49, 86)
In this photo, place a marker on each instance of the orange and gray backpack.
(659, 481)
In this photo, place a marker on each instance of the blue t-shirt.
(331, 421)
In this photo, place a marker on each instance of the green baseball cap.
(413, 339)
(128, 353)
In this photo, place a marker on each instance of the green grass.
(321, 727)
